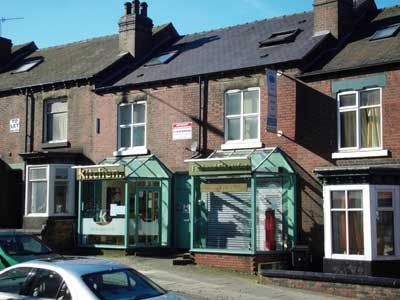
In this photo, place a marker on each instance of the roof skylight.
(385, 32)
(280, 37)
(26, 66)
(162, 58)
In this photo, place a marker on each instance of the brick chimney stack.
(135, 29)
(5, 51)
(339, 16)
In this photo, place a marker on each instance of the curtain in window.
(38, 197)
(370, 127)
(339, 232)
(59, 126)
(348, 129)
(356, 235)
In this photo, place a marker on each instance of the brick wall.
(354, 291)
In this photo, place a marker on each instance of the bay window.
(242, 118)
(56, 120)
(132, 128)
(362, 221)
(360, 119)
(347, 222)
(49, 190)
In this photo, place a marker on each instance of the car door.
(13, 283)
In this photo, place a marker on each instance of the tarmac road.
(202, 283)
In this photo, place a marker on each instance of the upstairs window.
(280, 37)
(56, 120)
(360, 120)
(132, 126)
(161, 59)
(242, 115)
(28, 65)
(385, 32)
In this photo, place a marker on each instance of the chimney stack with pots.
(135, 29)
(339, 16)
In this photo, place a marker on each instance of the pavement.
(204, 283)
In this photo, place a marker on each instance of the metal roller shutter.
(229, 220)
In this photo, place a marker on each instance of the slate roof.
(361, 52)
(230, 48)
(79, 60)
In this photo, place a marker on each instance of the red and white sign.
(182, 131)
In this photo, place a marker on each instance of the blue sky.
(54, 22)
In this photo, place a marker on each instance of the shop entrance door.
(149, 217)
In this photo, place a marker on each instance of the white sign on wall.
(182, 131)
(14, 125)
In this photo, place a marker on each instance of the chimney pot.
(128, 8)
(143, 9)
(136, 5)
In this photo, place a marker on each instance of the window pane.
(38, 197)
(60, 197)
(339, 232)
(55, 107)
(125, 114)
(347, 100)
(57, 127)
(233, 129)
(125, 137)
(385, 199)
(12, 281)
(139, 112)
(250, 128)
(338, 199)
(370, 127)
(250, 99)
(356, 234)
(370, 98)
(355, 199)
(61, 173)
(46, 284)
(385, 233)
(348, 129)
(233, 104)
(138, 136)
(35, 174)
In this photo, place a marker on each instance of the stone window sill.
(54, 145)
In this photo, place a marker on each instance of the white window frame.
(242, 143)
(132, 150)
(366, 223)
(50, 178)
(46, 113)
(370, 193)
(358, 151)
(395, 190)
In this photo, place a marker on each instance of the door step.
(185, 259)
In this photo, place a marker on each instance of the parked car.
(16, 247)
(78, 278)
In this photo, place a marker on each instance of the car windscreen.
(20, 245)
(122, 284)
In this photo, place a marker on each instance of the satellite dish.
(194, 146)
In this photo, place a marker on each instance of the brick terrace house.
(361, 186)
(210, 142)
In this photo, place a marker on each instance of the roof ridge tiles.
(247, 23)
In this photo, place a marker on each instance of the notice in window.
(182, 131)
(14, 125)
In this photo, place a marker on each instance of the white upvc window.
(132, 128)
(242, 119)
(346, 211)
(50, 191)
(56, 120)
(361, 222)
(360, 120)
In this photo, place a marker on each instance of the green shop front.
(124, 203)
(244, 206)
